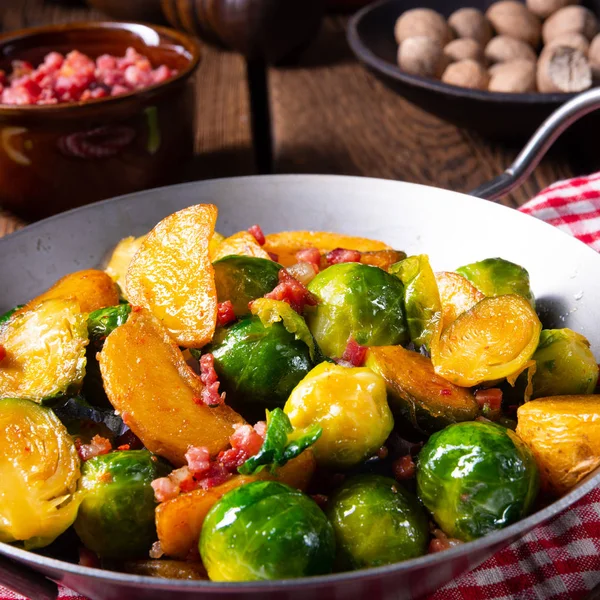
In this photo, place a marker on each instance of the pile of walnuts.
(543, 45)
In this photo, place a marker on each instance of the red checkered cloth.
(561, 559)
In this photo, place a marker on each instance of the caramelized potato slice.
(458, 295)
(416, 393)
(215, 242)
(491, 341)
(91, 289)
(239, 244)
(121, 259)
(45, 351)
(383, 259)
(179, 521)
(287, 243)
(563, 432)
(148, 381)
(172, 276)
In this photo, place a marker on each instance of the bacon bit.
(87, 558)
(210, 394)
(354, 353)
(321, 500)
(441, 542)
(136, 309)
(198, 460)
(342, 255)
(445, 392)
(124, 447)
(310, 255)
(233, 458)
(343, 363)
(164, 489)
(382, 453)
(491, 397)
(156, 551)
(225, 313)
(261, 428)
(290, 290)
(217, 475)
(2, 353)
(246, 438)
(258, 234)
(96, 447)
(404, 468)
(274, 257)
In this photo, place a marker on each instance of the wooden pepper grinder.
(264, 31)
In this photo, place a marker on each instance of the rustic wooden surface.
(329, 116)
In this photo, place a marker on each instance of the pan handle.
(529, 158)
(26, 581)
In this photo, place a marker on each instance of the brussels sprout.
(496, 277)
(376, 522)
(475, 478)
(242, 279)
(421, 298)
(116, 516)
(39, 469)
(266, 530)
(350, 404)
(358, 301)
(5, 318)
(104, 321)
(565, 364)
(259, 365)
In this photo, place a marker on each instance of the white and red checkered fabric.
(559, 560)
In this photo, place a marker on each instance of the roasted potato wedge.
(172, 276)
(563, 432)
(457, 294)
(179, 521)
(148, 381)
(239, 244)
(121, 259)
(383, 259)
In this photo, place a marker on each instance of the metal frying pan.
(452, 228)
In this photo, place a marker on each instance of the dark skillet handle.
(529, 158)
(26, 581)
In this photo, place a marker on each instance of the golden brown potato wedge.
(239, 244)
(172, 276)
(383, 259)
(563, 433)
(457, 294)
(121, 259)
(148, 381)
(179, 521)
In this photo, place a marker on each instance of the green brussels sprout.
(266, 530)
(421, 298)
(565, 365)
(104, 321)
(376, 522)
(116, 516)
(242, 279)
(259, 365)
(350, 404)
(358, 301)
(475, 478)
(5, 318)
(496, 277)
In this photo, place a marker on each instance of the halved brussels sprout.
(421, 298)
(489, 342)
(121, 259)
(266, 530)
(497, 277)
(102, 322)
(45, 351)
(416, 393)
(39, 469)
(259, 365)
(457, 295)
(357, 301)
(350, 404)
(242, 279)
(376, 522)
(565, 364)
(116, 516)
(475, 478)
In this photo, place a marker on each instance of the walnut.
(422, 56)
(571, 19)
(544, 8)
(471, 23)
(503, 48)
(512, 18)
(467, 73)
(422, 22)
(464, 48)
(562, 69)
(514, 76)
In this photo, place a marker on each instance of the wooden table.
(328, 116)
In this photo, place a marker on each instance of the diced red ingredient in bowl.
(77, 77)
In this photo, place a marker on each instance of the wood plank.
(331, 116)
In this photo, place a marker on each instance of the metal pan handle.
(26, 581)
(529, 158)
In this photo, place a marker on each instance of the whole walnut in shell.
(513, 77)
(422, 22)
(471, 23)
(544, 8)
(422, 56)
(562, 69)
(503, 48)
(468, 74)
(570, 40)
(512, 18)
(571, 19)
(594, 57)
(463, 48)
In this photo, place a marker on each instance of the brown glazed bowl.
(132, 142)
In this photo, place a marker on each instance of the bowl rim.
(391, 70)
(428, 560)
(189, 43)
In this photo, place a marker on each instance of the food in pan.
(264, 407)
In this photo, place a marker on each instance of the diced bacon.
(233, 458)
(124, 447)
(274, 257)
(310, 255)
(404, 468)
(198, 460)
(261, 428)
(217, 475)
(210, 394)
(354, 353)
(247, 439)
(258, 234)
(290, 290)
(97, 446)
(2, 353)
(492, 398)
(342, 255)
(441, 542)
(165, 489)
(156, 551)
(225, 313)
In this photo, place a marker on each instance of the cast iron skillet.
(452, 228)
